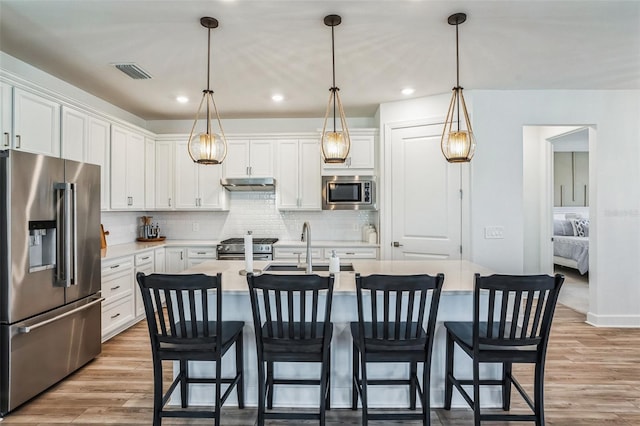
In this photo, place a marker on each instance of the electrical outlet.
(195, 227)
(493, 232)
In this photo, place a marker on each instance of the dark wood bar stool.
(185, 331)
(512, 317)
(390, 329)
(292, 319)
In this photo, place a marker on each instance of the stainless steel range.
(233, 249)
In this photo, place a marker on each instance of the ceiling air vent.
(133, 71)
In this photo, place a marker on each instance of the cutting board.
(103, 238)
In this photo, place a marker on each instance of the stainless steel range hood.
(249, 184)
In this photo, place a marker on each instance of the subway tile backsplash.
(249, 211)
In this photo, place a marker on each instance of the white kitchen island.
(455, 305)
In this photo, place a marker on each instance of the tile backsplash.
(249, 211)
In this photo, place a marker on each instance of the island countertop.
(459, 274)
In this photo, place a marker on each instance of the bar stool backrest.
(392, 309)
(192, 320)
(514, 310)
(295, 309)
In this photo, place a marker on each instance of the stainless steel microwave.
(348, 193)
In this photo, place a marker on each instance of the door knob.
(397, 244)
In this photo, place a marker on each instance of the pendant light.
(458, 143)
(335, 143)
(208, 147)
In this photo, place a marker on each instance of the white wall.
(497, 186)
(497, 182)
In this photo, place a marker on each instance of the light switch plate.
(196, 227)
(493, 232)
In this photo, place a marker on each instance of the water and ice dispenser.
(42, 245)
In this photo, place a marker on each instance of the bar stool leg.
(476, 393)
(270, 385)
(354, 377)
(413, 378)
(506, 386)
(261, 391)
(240, 370)
(448, 384)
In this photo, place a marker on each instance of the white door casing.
(425, 196)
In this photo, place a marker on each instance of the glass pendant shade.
(336, 143)
(207, 147)
(458, 143)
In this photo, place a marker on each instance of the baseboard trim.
(620, 321)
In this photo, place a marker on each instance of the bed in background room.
(571, 243)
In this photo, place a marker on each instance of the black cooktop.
(255, 241)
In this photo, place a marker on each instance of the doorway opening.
(557, 211)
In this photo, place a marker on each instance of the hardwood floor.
(592, 378)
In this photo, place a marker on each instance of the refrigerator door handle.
(63, 261)
(30, 328)
(74, 239)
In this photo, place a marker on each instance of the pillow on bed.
(563, 227)
(580, 227)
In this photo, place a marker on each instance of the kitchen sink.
(291, 267)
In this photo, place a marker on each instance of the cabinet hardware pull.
(115, 288)
(202, 252)
(115, 266)
(169, 201)
(18, 141)
(351, 253)
(144, 258)
(6, 139)
(115, 316)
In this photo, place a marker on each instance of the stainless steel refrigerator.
(50, 304)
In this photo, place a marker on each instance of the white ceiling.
(267, 47)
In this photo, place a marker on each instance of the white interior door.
(425, 196)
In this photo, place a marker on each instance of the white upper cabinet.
(36, 123)
(164, 175)
(249, 158)
(149, 173)
(197, 186)
(298, 181)
(97, 152)
(127, 169)
(6, 113)
(75, 134)
(361, 159)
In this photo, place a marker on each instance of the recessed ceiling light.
(277, 98)
(182, 99)
(408, 91)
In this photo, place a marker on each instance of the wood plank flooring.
(592, 378)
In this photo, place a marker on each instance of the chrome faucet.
(306, 232)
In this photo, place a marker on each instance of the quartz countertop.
(459, 274)
(323, 244)
(132, 248)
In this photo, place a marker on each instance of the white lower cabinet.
(118, 310)
(159, 255)
(175, 260)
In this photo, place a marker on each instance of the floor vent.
(133, 71)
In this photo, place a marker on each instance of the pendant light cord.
(458, 76)
(208, 79)
(333, 88)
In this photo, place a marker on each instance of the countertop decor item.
(335, 143)
(150, 240)
(208, 147)
(459, 144)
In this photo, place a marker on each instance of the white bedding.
(574, 248)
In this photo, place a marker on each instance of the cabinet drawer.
(118, 266)
(117, 285)
(353, 253)
(116, 314)
(280, 253)
(202, 253)
(144, 258)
